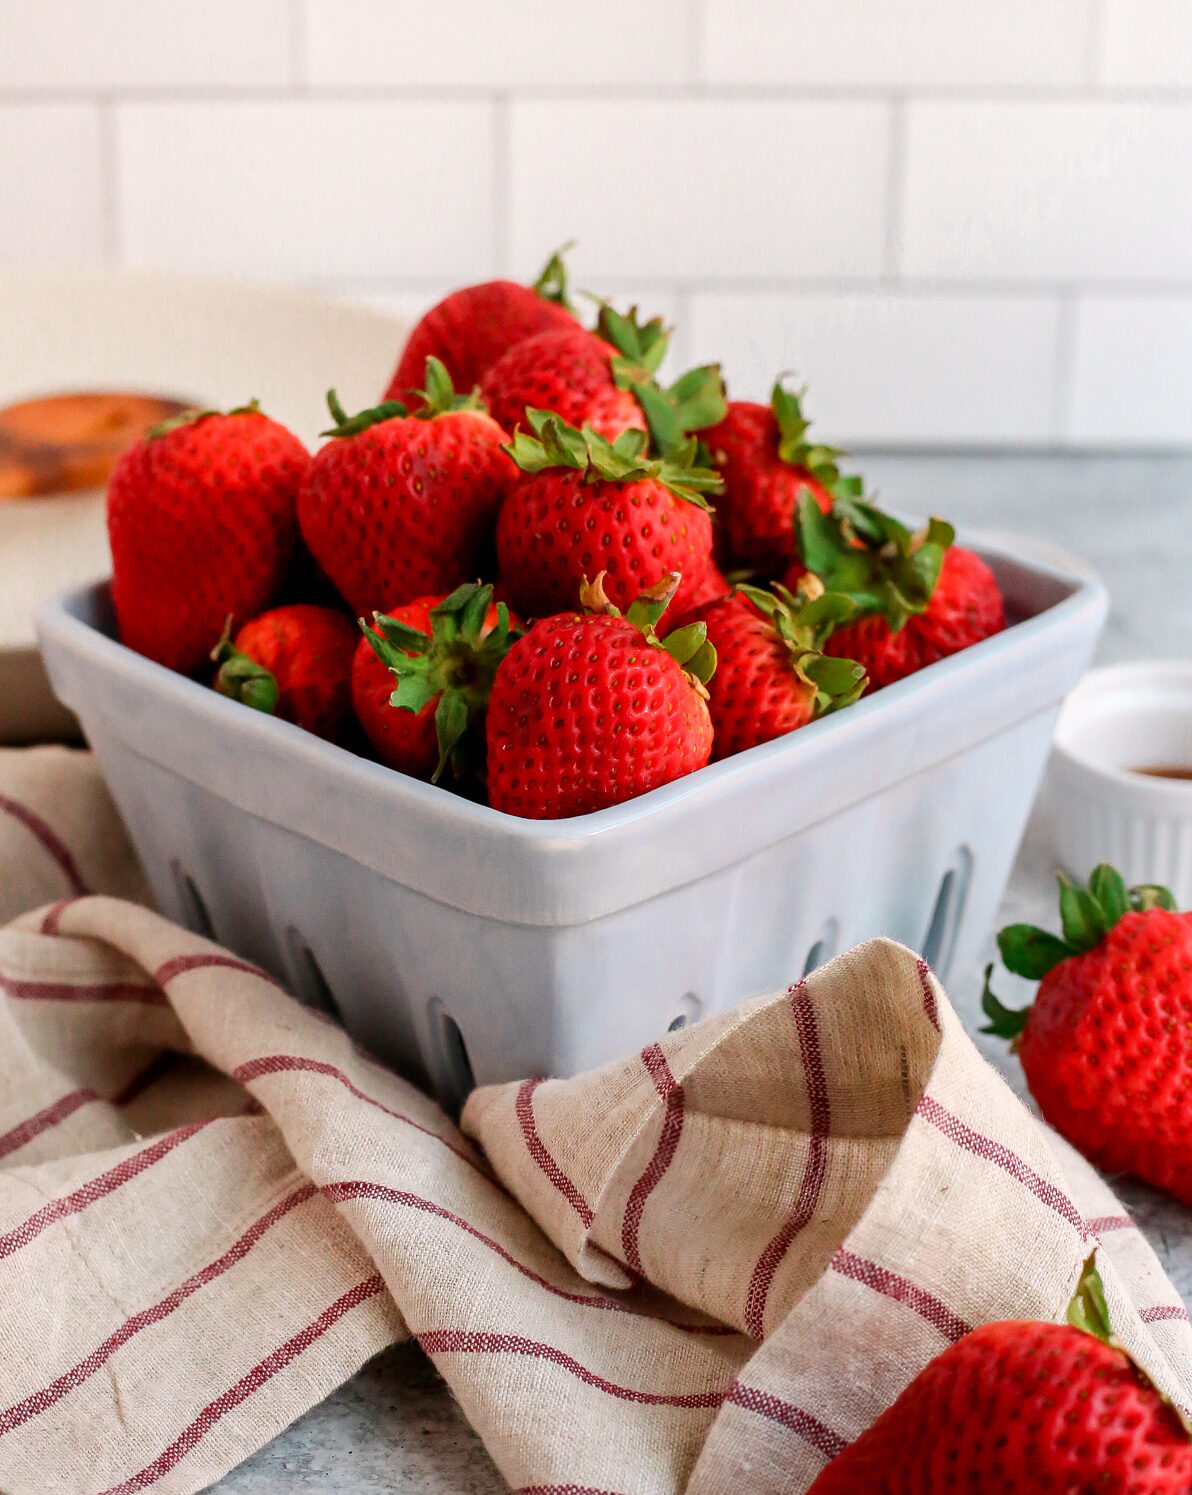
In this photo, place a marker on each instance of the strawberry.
(398, 506)
(294, 662)
(710, 587)
(202, 524)
(470, 329)
(1105, 1046)
(421, 679)
(605, 380)
(586, 505)
(591, 709)
(767, 462)
(1023, 1408)
(771, 676)
(569, 372)
(922, 597)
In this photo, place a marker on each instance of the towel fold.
(704, 1268)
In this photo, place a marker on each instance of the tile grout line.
(1010, 95)
(862, 285)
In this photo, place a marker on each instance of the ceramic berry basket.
(464, 945)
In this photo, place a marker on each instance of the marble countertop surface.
(395, 1426)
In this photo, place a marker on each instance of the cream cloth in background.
(704, 1268)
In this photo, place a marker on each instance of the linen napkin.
(705, 1268)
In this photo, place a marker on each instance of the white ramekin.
(1099, 808)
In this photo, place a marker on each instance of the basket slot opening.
(944, 925)
(691, 1008)
(459, 1080)
(824, 947)
(312, 987)
(195, 914)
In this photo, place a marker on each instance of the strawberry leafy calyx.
(551, 284)
(695, 401)
(352, 425)
(457, 662)
(811, 457)
(192, 417)
(241, 678)
(556, 444)
(1087, 914)
(1089, 1310)
(804, 622)
(437, 398)
(689, 646)
(862, 551)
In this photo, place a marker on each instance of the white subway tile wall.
(958, 223)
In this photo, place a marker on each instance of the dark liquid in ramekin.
(1165, 771)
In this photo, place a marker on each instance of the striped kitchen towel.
(705, 1268)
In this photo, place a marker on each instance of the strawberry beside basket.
(468, 946)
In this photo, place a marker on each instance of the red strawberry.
(294, 662)
(1106, 1045)
(591, 709)
(710, 587)
(421, 679)
(202, 523)
(606, 381)
(771, 676)
(473, 327)
(1022, 1408)
(767, 462)
(587, 505)
(923, 597)
(569, 372)
(398, 506)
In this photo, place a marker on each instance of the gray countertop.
(395, 1426)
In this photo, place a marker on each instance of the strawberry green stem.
(551, 284)
(1087, 914)
(457, 661)
(241, 678)
(555, 444)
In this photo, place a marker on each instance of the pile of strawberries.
(468, 581)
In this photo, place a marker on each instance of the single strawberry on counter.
(422, 676)
(590, 709)
(203, 524)
(1024, 1408)
(771, 674)
(293, 662)
(605, 379)
(1106, 1046)
(471, 328)
(767, 462)
(919, 596)
(398, 506)
(584, 504)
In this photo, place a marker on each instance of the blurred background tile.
(474, 43)
(968, 368)
(909, 43)
(145, 44)
(698, 188)
(51, 192)
(307, 187)
(959, 223)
